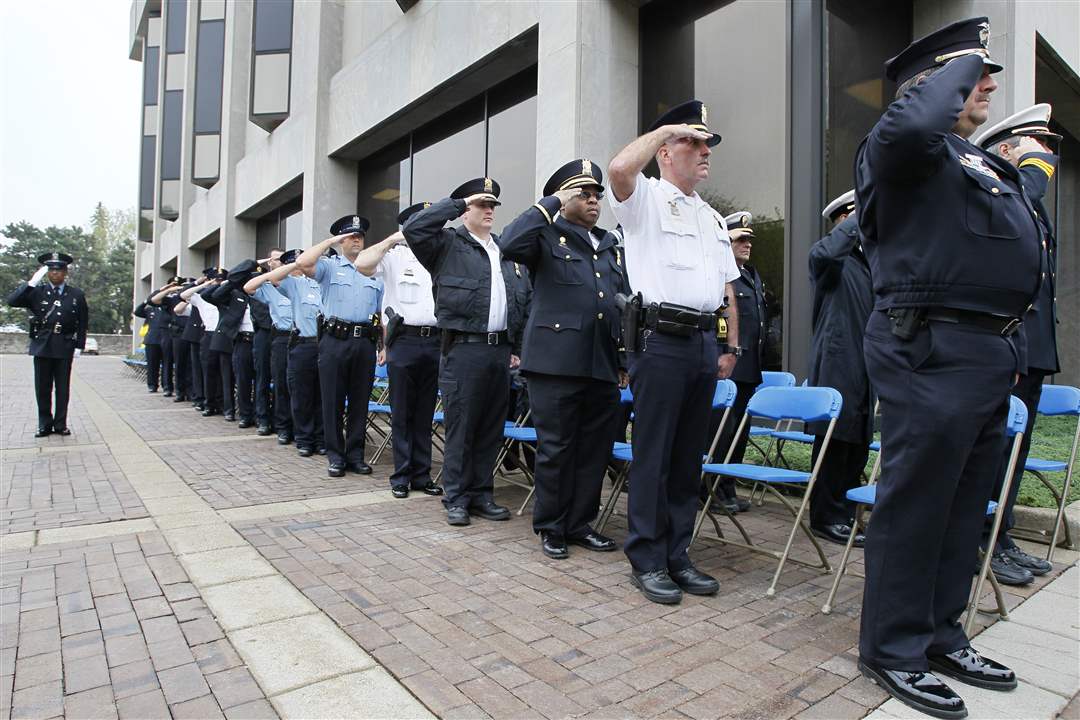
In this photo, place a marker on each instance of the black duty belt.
(673, 319)
(420, 330)
(491, 338)
(999, 324)
(345, 330)
(274, 332)
(245, 336)
(297, 339)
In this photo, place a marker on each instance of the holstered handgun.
(630, 309)
(394, 325)
(721, 322)
(294, 338)
(906, 321)
(447, 342)
(319, 322)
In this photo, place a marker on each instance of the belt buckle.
(358, 331)
(425, 331)
(1011, 327)
(58, 329)
(493, 338)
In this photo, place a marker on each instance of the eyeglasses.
(586, 194)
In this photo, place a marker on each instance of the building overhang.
(141, 10)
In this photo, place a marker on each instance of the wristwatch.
(735, 350)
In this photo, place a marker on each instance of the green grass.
(1053, 441)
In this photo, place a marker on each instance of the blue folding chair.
(805, 404)
(769, 378)
(1056, 400)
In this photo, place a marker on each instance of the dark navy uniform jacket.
(157, 320)
(843, 301)
(260, 313)
(232, 301)
(979, 250)
(1040, 324)
(753, 312)
(573, 327)
(49, 306)
(461, 272)
(177, 323)
(195, 328)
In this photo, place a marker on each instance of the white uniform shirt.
(245, 322)
(408, 287)
(497, 309)
(677, 247)
(207, 311)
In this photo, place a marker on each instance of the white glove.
(38, 275)
(78, 352)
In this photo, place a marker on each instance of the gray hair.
(915, 80)
(1013, 141)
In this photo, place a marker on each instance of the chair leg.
(795, 527)
(528, 497)
(1059, 520)
(842, 567)
(609, 506)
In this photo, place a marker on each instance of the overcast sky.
(69, 114)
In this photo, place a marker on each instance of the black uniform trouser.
(182, 364)
(279, 371)
(167, 362)
(243, 368)
(154, 358)
(673, 380)
(346, 373)
(260, 356)
(475, 383)
(227, 379)
(212, 374)
(944, 399)
(841, 470)
(198, 393)
(575, 421)
(413, 367)
(1029, 391)
(305, 393)
(745, 390)
(50, 373)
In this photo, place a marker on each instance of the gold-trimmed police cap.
(484, 186)
(410, 211)
(55, 260)
(575, 174)
(693, 113)
(350, 225)
(742, 220)
(839, 206)
(1033, 121)
(966, 37)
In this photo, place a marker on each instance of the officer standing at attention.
(302, 368)
(181, 351)
(236, 333)
(843, 301)
(481, 301)
(750, 302)
(260, 357)
(350, 306)
(209, 361)
(281, 324)
(570, 354)
(58, 321)
(954, 252)
(679, 259)
(158, 366)
(193, 335)
(411, 353)
(1026, 141)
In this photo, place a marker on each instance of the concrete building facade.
(265, 120)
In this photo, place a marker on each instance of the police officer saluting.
(158, 364)
(58, 320)
(480, 301)
(350, 306)
(1026, 141)
(411, 353)
(679, 259)
(281, 324)
(570, 354)
(954, 251)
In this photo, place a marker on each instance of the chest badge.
(978, 164)
(618, 258)
(673, 207)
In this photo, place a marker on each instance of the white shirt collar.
(674, 192)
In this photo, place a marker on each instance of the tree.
(103, 264)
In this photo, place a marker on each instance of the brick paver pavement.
(18, 410)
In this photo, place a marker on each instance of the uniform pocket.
(566, 265)
(557, 322)
(994, 210)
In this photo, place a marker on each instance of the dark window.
(150, 75)
(175, 25)
(438, 166)
(273, 25)
(211, 255)
(146, 173)
(209, 65)
(383, 189)
(279, 229)
(173, 109)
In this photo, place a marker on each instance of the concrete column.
(237, 236)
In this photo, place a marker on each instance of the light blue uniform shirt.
(280, 305)
(306, 300)
(347, 294)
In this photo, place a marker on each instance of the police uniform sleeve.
(140, 310)
(83, 313)
(520, 240)
(22, 296)
(827, 255)
(322, 270)
(1036, 169)
(909, 139)
(425, 234)
(631, 211)
(221, 294)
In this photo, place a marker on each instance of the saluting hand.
(567, 195)
(1029, 144)
(738, 233)
(37, 276)
(678, 132)
(478, 197)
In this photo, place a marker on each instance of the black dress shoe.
(736, 504)
(1007, 572)
(695, 582)
(200, 406)
(553, 545)
(43, 431)
(430, 488)
(360, 468)
(321, 449)
(61, 431)
(209, 412)
(151, 390)
(490, 511)
(264, 430)
(838, 533)
(971, 668)
(230, 417)
(167, 393)
(920, 690)
(657, 586)
(400, 491)
(594, 541)
(457, 515)
(304, 451)
(245, 423)
(1034, 565)
(284, 439)
(180, 398)
(335, 470)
